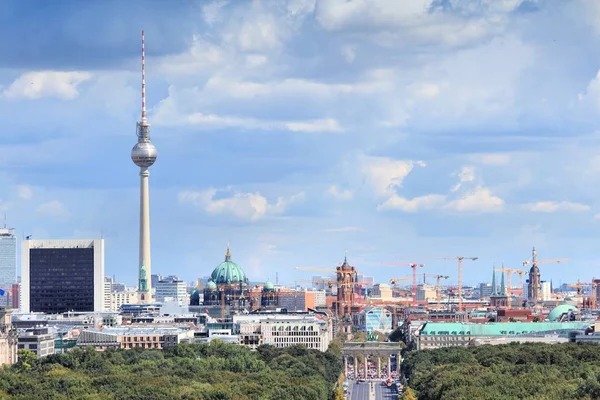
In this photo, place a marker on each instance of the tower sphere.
(143, 154)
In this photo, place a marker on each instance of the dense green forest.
(512, 371)
(215, 371)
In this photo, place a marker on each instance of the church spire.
(502, 286)
(228, 253)
(494, 288)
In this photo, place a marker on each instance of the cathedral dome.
(268, 286)
(228, 272)
(210, 285)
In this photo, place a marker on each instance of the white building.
(107, 292)
(62, 275)
(283, 330)
(171, 288)
(546, 292)
(8, 261)
(117, 299)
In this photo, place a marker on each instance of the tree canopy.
(215, 371)
(511, 371)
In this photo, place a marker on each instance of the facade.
(228, 283)
(173, 288)
(8, 339)
(426, 293)
(62, 275)
(283, 330)
(117, 299)
(107, 292)
(373, 319)
(433, 335)
(268, 296)
(498, 298)
(132, 338)
(38, 340)
(8, 262)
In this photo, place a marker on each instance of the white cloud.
(24, 192)
(556, 206)
(340, 194)
(53, 209)
(481, 199)
(35, 85)
(466, 175)
(342, 229)
(260, 33)
(168, 116)
(212, 11)
(245, 206)
(426, 202)
(493, 159)
(416, 22)
(385, 175)
(425, 90)
(319, 125)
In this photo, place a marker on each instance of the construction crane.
(414, 267)
(346, 276)
(460, 279)
(438, 287)
(579, 286)
(509, 272)
(534, 274)
(394, 282)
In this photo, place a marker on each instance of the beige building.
(426, 293)
(281, 330)
(8, 339)
(382, 291)
(117, 299)
(132, 338)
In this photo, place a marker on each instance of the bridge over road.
(375, 350)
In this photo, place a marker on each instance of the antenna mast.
(143, 81)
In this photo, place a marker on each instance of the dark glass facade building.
(61, 279)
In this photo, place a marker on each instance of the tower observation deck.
(144, 155)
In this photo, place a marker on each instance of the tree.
(26, 359)
(409, 394)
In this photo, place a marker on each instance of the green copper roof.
(558, 311)
(210, 285)
(228, 273)
(268, 286)
(498, 328)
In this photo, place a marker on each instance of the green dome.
(228, 273)
(210, 285)
(557, 312)
(268, 286)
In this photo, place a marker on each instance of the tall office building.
(8, 258)
(173, 288)
(62, 275)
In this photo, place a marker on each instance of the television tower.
(144, 155)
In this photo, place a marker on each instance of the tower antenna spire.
(144, 120)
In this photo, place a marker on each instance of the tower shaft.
(145, 262)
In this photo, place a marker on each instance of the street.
(361, 391)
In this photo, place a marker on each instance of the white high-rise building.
(62, 275)
(546, 292)
(107, 292)
(8, 258)
(171, 288)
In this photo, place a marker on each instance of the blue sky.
(297, 129)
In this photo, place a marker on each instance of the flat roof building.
(58, 276)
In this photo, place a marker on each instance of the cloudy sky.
(298, 129)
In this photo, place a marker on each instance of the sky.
(297, 130)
